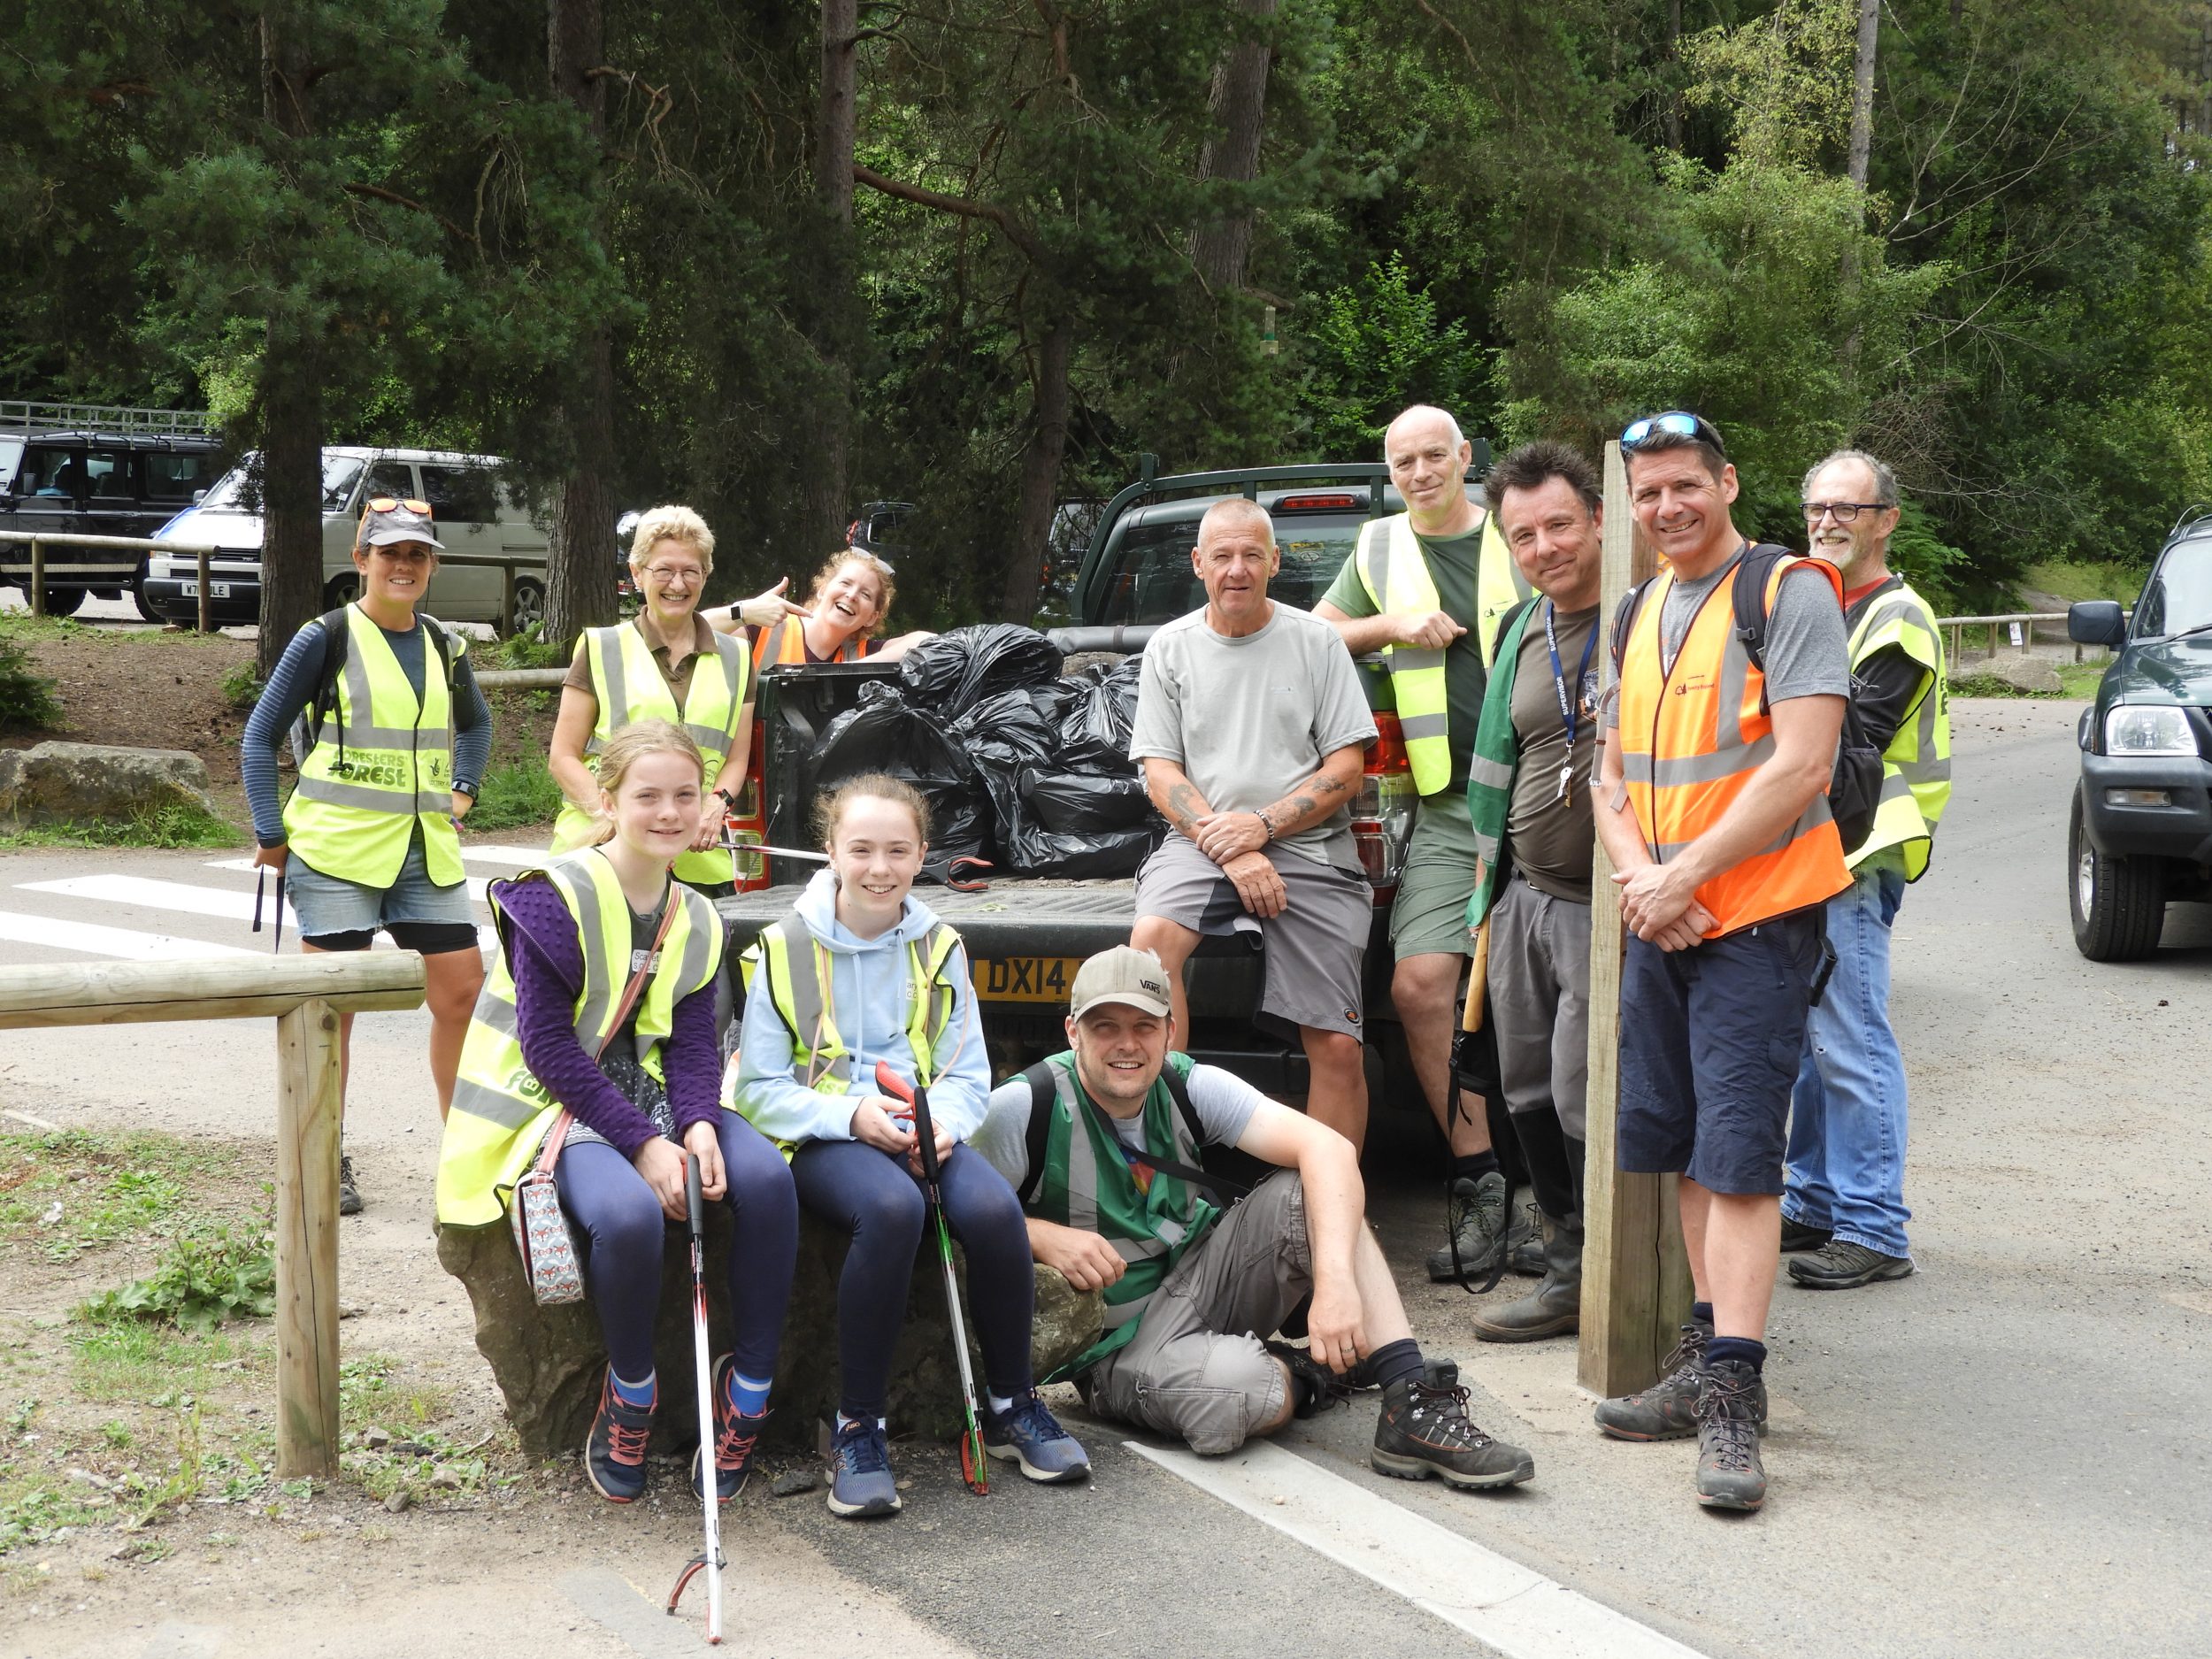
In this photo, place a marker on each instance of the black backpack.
(1044, 1090)
(307, 731)
(1854, 785)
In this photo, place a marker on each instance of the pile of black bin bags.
(1020, 766)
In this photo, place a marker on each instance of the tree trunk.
(289, 408)
(1042, 456)
(1670, 105)
(832, 306)
(1862, 91)
(1218, 246)
(579, 585)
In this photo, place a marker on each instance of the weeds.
(202, 1280)
(71, 1191)
(243, 687)
(173, 825)
(525, 649)
(520, 794)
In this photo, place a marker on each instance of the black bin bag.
(884, 733)
(951, 673)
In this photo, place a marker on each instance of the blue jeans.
(1846, 1147)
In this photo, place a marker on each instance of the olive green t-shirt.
(1553, 838)
(1452, 561)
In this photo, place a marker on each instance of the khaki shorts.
(1196, 1368)
(1429, 914)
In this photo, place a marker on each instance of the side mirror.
(198, 496)
(2096, 622)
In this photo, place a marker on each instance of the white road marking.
(640, 1623)
(163, 895)
(95, 940)
(518, 857)
(1514, 1611)
(477, 884)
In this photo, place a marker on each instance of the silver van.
(478, 512)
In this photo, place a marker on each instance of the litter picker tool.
(973, 1468)
(261, 882)
(711, 1559)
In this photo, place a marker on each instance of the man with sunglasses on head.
(1845, 1198)
(1712, 804)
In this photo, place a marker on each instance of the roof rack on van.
(117, 418)
(2191, 516)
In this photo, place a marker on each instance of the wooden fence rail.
(306, 994)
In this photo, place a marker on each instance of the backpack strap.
(1044, 1091)
(1749, 596)
(1624, 619)
(1519, 609)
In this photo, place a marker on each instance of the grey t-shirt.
(1223, 1101)
(1808, 653)
(1249, 720)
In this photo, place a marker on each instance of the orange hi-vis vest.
(1691, 739)
(785, 641)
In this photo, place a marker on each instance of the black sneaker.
(614, 1456)
(348, 1194)
(1840, 1264)
(1423, 1431)
(1798, 1239)
(1323, 1387)
(734, 1437)
(1729, 1473)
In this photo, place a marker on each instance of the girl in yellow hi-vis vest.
(549, 1033)
(862, 971)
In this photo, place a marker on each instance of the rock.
(78, 783)
(446, 1478)
(2020, 670)
(398, 1502)
(792, 1482)
(549, 1361)
(375, 1439)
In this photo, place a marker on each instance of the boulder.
(2022, 671)
(547, 1361)
(79, 783)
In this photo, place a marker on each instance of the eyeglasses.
(393, 504)
(676, 575)
(1843, 512)
(1681, 422)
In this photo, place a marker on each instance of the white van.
(476, 510)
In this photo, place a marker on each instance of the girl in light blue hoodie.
(862, 971)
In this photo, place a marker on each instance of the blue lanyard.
(1570, 707)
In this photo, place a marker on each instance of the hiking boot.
(1423, 1431)
(1027, 1434)
(1840, 1264)
(734, 1437)
(1798, 1239)
(614, 1453)
(1524, 1240)
(1477, 1224)
(1323, 1387)
(861, 1483)
(348, 1194)
(1554, 1307)
(1667, 1411)
(1731, 1411)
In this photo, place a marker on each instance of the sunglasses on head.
(1679, 422)
(393, 504)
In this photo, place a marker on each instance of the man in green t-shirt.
(1426, 588)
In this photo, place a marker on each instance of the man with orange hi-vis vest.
(1712, 803)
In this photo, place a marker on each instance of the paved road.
(1999, 1457)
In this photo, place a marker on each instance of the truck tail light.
(748, 822)
(1383, 811)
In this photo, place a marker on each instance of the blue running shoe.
(861, 1484)
(1027, 1434)
(614, 1454)
(735, 1434)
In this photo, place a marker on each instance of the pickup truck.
(1025, 936)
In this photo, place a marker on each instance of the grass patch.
(2075, 579)
(74, 1190)
(518, 794)
(26, 699)
(204, 1278)
(176, 824)
(134, 1362)
(525, 649)
(2078, 681)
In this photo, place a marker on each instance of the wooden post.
(206, 598)
(507, 600)
(307, 1240)
(1635, 1280)
(37, 596)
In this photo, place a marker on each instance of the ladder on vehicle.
(114, 417)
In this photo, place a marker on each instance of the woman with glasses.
(845, 610)
(394, 739)
(665, 664)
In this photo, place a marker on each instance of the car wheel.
(2119, 904)
(529, 605)
(341, 590)
(138, 596)
(65, 601)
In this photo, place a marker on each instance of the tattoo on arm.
(1312, 798)
(1184, 808)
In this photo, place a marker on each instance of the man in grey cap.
(1104, 1142)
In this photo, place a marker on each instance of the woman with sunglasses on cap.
(396, 738)
(844, 612)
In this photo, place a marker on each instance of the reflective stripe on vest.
(1917, 766)
(1691, 739)
(785, 641)
(501, 1111)
(1394, 571)
(381, 766)
(628, 684)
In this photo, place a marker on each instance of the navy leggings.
(873, 1196)
(623, 1233)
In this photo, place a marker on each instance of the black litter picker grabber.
(973, 1468)
(711, 1559)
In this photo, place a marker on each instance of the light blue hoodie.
(871, 998)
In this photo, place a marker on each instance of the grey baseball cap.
(1123, 974)
(401, 523)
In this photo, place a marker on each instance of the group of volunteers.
(1765, 772)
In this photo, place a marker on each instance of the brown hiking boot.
(1423, 1431)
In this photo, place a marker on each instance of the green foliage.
(76, 1190)
(202, 1279)
(525, 650)
(518, 795)
(242, 686)
(175, 826)
(1372, 348)
(1919, 554)
(26, 699)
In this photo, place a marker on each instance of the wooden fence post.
(307, 1240)
(1635, 1278)
(507, 600)
(207, 597)
(37, 596)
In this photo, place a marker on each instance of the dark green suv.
(2142, 830)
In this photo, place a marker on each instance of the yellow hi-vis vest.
(501, 1111)
(798, 970)
(1395, 573)
(381, 766)
(1917, 766)
(628, 684)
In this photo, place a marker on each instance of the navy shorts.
(1711, 1039)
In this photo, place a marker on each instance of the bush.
(26, 699)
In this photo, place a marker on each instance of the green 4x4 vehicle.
(1026, 936)
(2142, 830)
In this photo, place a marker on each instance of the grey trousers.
(1540, 1001)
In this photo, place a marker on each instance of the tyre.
(2119, 904)
(529, 605)
(341, 589)
(138, 596)
(65, 601)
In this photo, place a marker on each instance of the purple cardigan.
(546, 957)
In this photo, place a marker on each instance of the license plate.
(215, 590)
(1026, 978)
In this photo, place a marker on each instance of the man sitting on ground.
(1108, 1177)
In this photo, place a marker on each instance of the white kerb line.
(1512, 1610)
(59, 933)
